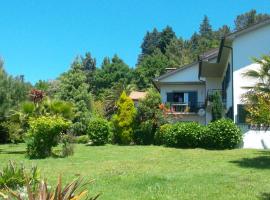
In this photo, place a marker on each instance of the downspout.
(229, 47)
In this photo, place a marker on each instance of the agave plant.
(70, 192)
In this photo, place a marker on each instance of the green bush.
(161, 134)
(13, 176)
(43, 134)
(83, 139)
(222, 134)
(98, 131)
(181, 134)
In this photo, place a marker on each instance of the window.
(182, 97)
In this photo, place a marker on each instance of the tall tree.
(73, 88)
(249, 18)
(205, 28)
(89, 67)
(111, 72)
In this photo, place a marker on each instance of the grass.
(151, 172)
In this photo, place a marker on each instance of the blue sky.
(41, 38)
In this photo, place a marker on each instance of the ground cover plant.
(156, 172)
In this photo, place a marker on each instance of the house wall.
(252, 44)
(166, 88)
(188, 74)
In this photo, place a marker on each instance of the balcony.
(185, 108)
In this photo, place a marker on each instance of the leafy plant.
(14, 175)
(123, 120)
(72, 191)
(222, 134)
(217, 106)
(43, 134)
(98, 131)
(82, 139)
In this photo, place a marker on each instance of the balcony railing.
(182, 107)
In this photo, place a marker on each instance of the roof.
(135, 95)
(212, 53)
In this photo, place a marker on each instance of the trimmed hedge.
(221, 134)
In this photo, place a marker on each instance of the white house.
(217, 70)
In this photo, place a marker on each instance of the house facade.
(187, 91)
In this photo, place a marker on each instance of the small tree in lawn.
(123, 120)
(217, 107)
(149, 118)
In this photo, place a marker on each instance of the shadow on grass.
(264, 196)
(258, 162)
(12, 152)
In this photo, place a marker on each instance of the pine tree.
(205, 28)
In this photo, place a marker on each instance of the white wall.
(246, 46)
(188, 74)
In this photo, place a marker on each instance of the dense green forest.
(94, 90)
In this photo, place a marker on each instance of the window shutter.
(192, 97)
(170, 97)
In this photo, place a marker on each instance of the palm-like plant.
(262, 75)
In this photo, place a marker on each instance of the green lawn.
(150, 172)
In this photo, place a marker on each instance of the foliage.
(98, 131)
(43, 134)
(67, 145)
(148, 118)
(222, 134)
(160, 135)
(217, 106)
(182, 134)
(82, 139)
(257, 96)
(74, 89)
(72, 191)
(14, 130)
(113, 71)
(123, 120)
(206, 28)
(151, 66)
(258, 108)
(13, 176)
(249, 18)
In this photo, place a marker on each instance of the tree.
(149, 118)
(257, 97)
(123, 120)
(249, 18)
(217, 107)
(89, 67)
(205, 28)
(112, 72)
(73, 88)
(150, 67)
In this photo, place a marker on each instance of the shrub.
(181, 134)
(161, 134)
(14, 130)
(149, 118)
(13, 176)
(67, 145)
(98, 131)
(222, 134)
(43, 134)
(83, 139)
(217, 107)
(123, 120)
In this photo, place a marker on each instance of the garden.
(81, 136)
